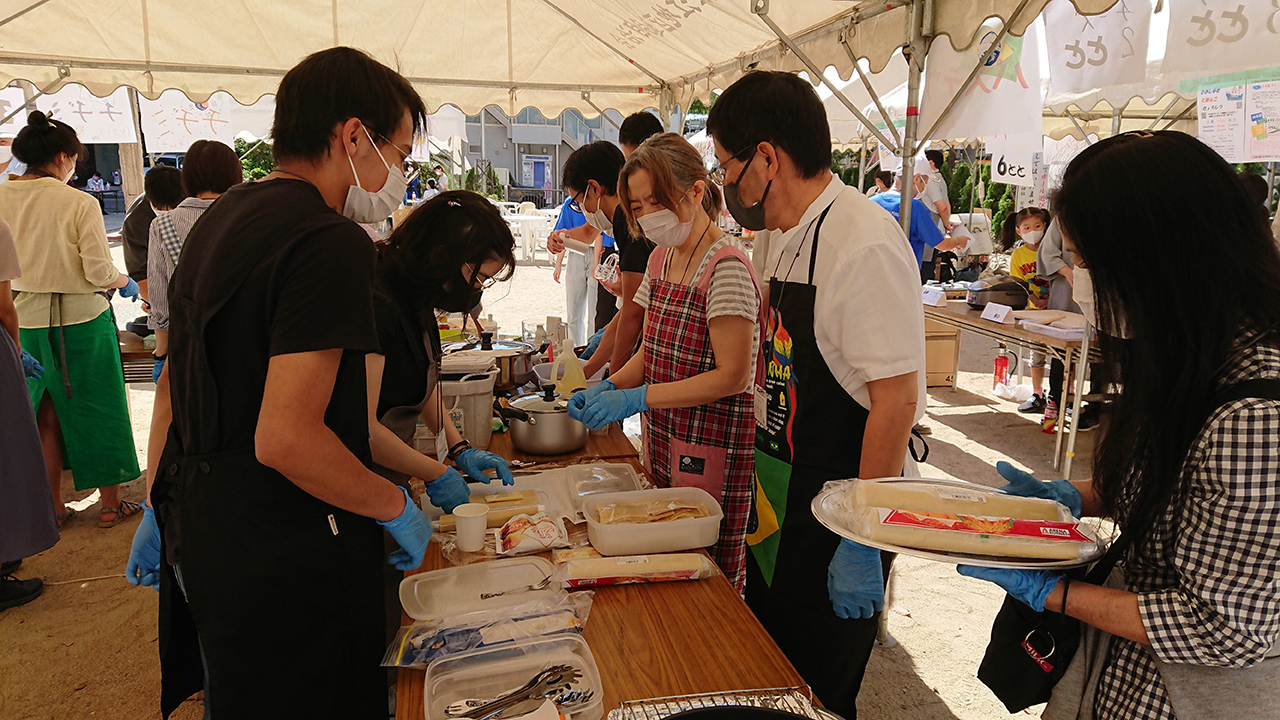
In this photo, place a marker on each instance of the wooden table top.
(657, 640)
(612, 445)
(131, 347)
(958, 312)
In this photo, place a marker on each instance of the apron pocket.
(699, 466)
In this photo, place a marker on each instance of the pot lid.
(486, 346)
(548, 401)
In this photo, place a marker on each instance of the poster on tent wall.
(1262, 115)
(1013, 158)
(106, 120)
(1036, 194)
(1220, 112)
(172, 122)
(1220, 36)
(1086, 53)
(1004, 97)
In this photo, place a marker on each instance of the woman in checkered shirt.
(1189, 463)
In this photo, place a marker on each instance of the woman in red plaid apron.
(697, 359)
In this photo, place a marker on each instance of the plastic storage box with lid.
(457, 590)
(658, 537)
(492, 672)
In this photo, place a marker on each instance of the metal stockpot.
(514, 359)
(540, 424)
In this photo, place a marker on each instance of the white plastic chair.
(526, 208)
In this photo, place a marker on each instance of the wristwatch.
(458, 449)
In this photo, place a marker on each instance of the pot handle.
(510, 413)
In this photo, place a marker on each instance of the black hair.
(431, 183)
(426, 252)
(885, 177)
(936, 157)
(332, 86)
(44, 139)
(163, 185)
(778, 108)
(600, 161)
(97, 174)
(210, 166)
(638, 127)
(1009, 231)
(1136, 206)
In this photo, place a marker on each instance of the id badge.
(442, 445)
(761, 400)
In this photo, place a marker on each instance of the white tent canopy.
(548, 54)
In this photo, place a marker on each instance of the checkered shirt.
(168, 232)
(1213, 598)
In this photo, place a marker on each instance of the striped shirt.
(168, 231)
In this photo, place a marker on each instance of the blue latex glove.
(1025, 484)
(144, 557)
(412, 530)
(612, 406)
(474, 462)
(155, 371)
(593, 342)
(130, 290)
(448, 491)
(855, 581)
(1030, 587)
(578, 402)
(31, 367)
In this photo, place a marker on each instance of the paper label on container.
(632, 560)
(947, 493)
(996, 312)
(986, 526)
(934, 296)
(761, 406)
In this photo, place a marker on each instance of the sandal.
(65, 517)
(122, 513)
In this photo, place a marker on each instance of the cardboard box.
(941, 344)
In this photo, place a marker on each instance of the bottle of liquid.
(574, 378)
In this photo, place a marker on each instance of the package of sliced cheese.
(927, 497)
(636, 569)
(1012, 537)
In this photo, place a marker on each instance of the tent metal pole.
(975, 174)
(586, 97)
(914, 51)
(862, 161)
(1180, 115)
(251, 148)
(981, 63)
(63, 73)
(1164, 112)
(1271, 183)
(22, 12)
(761, 9)
(875, 96)
(1117, 117)
(1083, 135)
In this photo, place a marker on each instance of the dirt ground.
(88, 647)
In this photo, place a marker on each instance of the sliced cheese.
(950, 499)
(637, 568)
(515, 497)
(497, 517)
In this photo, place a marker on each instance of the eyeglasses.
(718, 173)
(486, 281)
(408, 167)
(576, 206)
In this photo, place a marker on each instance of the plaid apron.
(709, 446)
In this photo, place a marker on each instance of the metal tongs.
(549, 681)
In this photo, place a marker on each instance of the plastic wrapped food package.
(592, 572)
(530, 534)
(651, 511)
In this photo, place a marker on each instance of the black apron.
(403, 420)
(808, 431)
(284, 589)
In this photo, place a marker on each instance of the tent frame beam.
(63, 73)
(586, 98)
(914, 52)
(1083, 135)
(866, 82)
(760, 8)
(602, 41)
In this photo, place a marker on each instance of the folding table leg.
(1062, 416)
(1082, 368)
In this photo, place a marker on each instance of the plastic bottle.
(574, 378)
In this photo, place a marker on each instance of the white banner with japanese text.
(1087, 53)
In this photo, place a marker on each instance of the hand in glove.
(855, 581)
(31, 367)
(1030, 587)
(157, 369)
(448, 491)
(612, 406)
(578, 402)
(1025, 484)
(593, 342)
(144, 557)
(474, 463)
(412, 531)
(130, 290)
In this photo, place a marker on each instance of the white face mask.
(365, 206)
(596, 218)
(664, 228)
(6, 154)
(1033, 237)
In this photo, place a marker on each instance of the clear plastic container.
(493, 672)
(658, 537)
(456, 590)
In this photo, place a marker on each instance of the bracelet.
(455, 451)
(1066, 586)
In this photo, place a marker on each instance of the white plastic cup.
(472, 520)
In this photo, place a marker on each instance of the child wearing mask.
(1029, 225)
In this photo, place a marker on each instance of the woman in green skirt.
(65, 320)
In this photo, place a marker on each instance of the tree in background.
(255, 158)
(699, 108)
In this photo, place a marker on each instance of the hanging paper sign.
(1012, 158)
(1220, 112)
(172, 122)
(1262, 111)
(1217, 36)
(96, 120)
(1090, 52)
(1036, 194)
(11, 98)
(1004, 98)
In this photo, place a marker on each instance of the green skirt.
(89, 397)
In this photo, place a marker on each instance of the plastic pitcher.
(569, 371)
